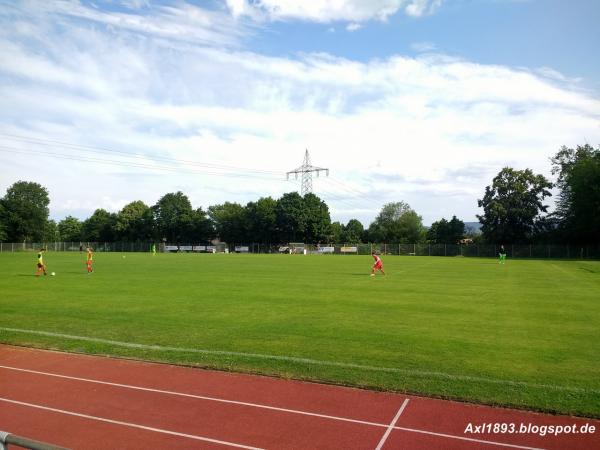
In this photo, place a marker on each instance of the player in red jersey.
(90, 260)
(378, 264)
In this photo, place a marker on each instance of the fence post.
(548, 250)
(445, 253)
(429, 249)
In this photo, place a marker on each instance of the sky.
(421, 101)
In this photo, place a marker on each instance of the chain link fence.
(534, 251)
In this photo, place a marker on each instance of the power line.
(89, 148)
(350, 189)
(133, 164)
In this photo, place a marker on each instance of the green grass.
(525, 334)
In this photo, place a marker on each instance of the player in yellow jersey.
(41, 267)
(89, 260)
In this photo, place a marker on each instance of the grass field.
(525, 334)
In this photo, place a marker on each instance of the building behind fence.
(538, 251)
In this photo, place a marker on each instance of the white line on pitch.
(294, 359)
(391, 425)
(127, 424)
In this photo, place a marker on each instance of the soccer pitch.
(525, 334)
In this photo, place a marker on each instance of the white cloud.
(328, 11)
(135, 4)
(432, 130)
(353, 27)
(417, 8)
(424, 46)
(184, 22)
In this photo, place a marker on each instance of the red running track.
(86, 402)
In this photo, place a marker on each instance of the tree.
(202, 227)
(317, 217)
(99, 227)
(51, 232)
(134, 222)
(336, 231)
(3, 234)
(69, 229)
(25, 211)
(353, 231)
(578, 206)
(229, 221)
(512, 206)
(446, 232)
(291, 217)
(173, 216)
(261, 220)
(397, 223)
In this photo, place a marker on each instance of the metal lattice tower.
(306, 169)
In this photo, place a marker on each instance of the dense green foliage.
(69, 229)
(578, 207)
(134, 222)
(100, 226)
(446, 232)
(261, 219)
(512, 206)
(524, 334)
(397, 223)
(24, 212)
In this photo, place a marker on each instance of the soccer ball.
(53, 273)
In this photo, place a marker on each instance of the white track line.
(409, 372)
(391, 426)
(127, 424)
(462, 438)
(198, 397)
(272, 408)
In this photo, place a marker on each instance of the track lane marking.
(462, 438)
(128, 424)
(391, 425)
(198, 397)
(272, 408)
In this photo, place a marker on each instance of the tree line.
(513, 212)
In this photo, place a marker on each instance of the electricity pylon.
(306, 169)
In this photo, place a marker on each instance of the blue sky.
(563, 35)
(422, 101)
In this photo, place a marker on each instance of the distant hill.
(473, 226)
